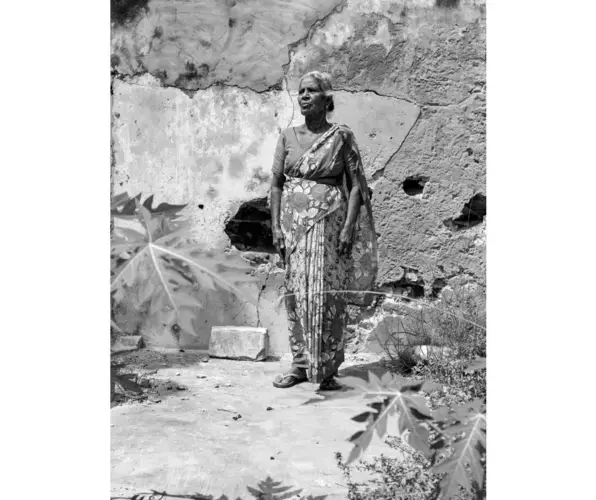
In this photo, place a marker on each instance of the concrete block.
(127, 343)
(239, 342)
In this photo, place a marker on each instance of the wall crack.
(129, 79)
(319, 22)
(263, 287)
(405, 99)
(377, 174)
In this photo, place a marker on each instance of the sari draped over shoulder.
(318, 280)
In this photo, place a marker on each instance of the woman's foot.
(329, 384)
(290, 379)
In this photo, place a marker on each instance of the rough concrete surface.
(194, 442)
(201, 90)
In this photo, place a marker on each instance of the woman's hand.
(279, 244)
(345, 241)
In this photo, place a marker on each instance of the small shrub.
(407, 478)
(460, 382)
(455, 324)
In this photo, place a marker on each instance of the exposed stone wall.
(201, 90)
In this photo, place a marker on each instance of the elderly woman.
(323, 231)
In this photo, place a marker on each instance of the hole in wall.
(125, 11)
(437, 287)
(450, 4)
(114, 60)
(191, 75)
(414, 184)
(472, 214)
(161, 74)
(250, 228)
(158, 32)
(411, 285)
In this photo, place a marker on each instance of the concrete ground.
(219, 437)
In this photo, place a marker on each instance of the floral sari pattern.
(317, 277)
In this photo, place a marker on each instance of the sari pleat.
(316, 315)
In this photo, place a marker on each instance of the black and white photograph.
(298, 249)
(308, 295)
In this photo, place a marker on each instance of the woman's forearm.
(275, 206)
(353, 208)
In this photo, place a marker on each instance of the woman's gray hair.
(324, 81)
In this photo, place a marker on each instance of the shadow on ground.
(155, 359)
(265, 490)
(360, 371)
(150, 359)
(379, 368)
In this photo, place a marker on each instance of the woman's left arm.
(351, 163)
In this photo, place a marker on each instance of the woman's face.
(311, 98)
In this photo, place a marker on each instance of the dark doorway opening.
(250, 228)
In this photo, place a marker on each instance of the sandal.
(330, 384)
(282, 382)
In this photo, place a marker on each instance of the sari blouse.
(289, 151)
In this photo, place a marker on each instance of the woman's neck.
(316, 123)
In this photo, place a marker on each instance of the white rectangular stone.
(127, 343)
(239, 342)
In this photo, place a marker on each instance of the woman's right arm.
(277, 183)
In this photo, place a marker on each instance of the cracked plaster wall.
(201, 90)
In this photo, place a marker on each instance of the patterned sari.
(317, 278)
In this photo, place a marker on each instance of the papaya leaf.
(129, 207)
(116, 327)
(146, 290)
(162, 208)
(362, 417)
(273, 490)
(185, 320)
(397, 396)
(168, 318)
(164, 268)
(205, 264)
(123, 206)
(119, 200)
(123, 250)
(151, 224)
(129, 235)
(158, 303)
(148, 202)
(468, 451)
(166, 208)
(374, 383)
